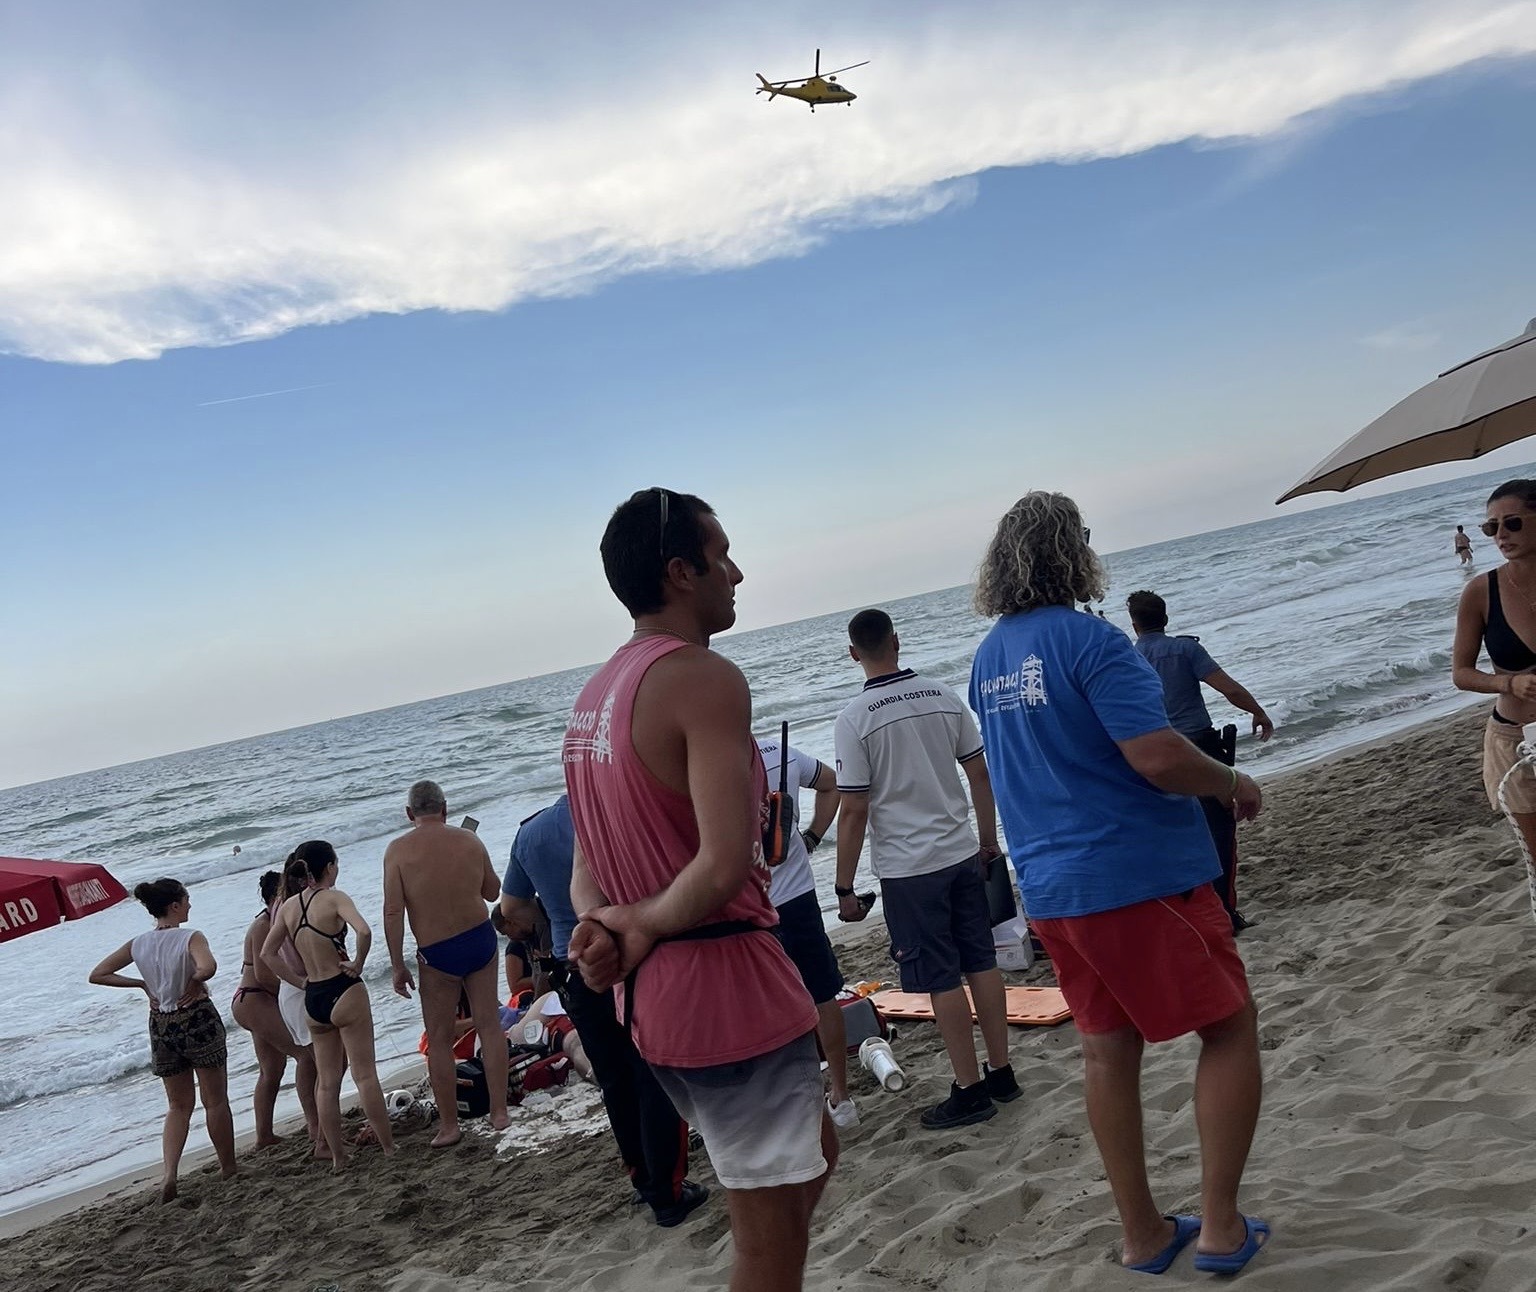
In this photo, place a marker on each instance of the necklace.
(1515, 583)
(665, 632)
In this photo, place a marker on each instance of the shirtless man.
(441, 877)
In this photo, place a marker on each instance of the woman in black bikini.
(340, 1015)
(1498, 611)
(255, 1009)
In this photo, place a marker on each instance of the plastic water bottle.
(875, 1054)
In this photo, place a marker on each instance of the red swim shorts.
(1164, 967)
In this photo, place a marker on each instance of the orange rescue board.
(1027, 1006)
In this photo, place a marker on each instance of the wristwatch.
(842, 892)
(810, 838)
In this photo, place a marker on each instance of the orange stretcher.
(1027, 1006)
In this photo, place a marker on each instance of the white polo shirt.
(901, 742)
(791, 877)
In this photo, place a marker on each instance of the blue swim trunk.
(463, 953)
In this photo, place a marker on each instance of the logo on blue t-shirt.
(1024, 686)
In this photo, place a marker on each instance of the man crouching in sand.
(441, 877)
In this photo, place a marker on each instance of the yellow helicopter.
(812, 89)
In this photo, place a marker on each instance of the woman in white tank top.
(186, 1035)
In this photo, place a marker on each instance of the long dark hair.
(316, 856)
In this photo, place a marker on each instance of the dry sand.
(1393, 963)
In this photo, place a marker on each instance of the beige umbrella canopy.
(1476, 407)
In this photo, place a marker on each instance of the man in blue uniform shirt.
(1183, 665)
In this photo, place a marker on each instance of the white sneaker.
(844, 1114)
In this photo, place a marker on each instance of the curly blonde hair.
(1038, 557)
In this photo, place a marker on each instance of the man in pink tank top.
(668, 797)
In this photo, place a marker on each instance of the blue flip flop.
(1233, 1262)
(1184, 1230)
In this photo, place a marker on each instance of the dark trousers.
(1221, 823)
(652, 1138)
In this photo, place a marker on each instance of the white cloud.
(156, 207)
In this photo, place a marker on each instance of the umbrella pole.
(1527, 760)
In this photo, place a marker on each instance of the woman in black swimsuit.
(340, 1015)
(1498, 611)
(255, 1009)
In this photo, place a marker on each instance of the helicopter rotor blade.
(817, 72)
(850, 67)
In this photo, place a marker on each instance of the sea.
(1339, 620)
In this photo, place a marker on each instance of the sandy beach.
(1394, 960)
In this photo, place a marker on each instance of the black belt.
(703, 933)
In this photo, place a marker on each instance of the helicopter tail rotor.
(767, 86)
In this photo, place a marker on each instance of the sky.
(330, 335)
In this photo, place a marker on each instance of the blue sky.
(510, 268)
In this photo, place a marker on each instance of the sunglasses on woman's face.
(1514, 524)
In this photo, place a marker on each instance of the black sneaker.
(1000, 1083)
(689, 1199)
(964, 1106)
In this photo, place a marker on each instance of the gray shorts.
(760, 1118)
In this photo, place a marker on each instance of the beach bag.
(546, 1073)
(861, 1019)
(474, 1095)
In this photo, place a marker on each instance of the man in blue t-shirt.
(1183, 665)
(1095, 791)
(652, 1138)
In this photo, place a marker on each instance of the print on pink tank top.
(696, 1003)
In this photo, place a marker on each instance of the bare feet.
(229, 1172)
(447, 1137)
(322, 1151)
(338, 1164)
(168, 1189)
(500, 1121)
(271, 1141)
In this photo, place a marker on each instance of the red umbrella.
(38, 894)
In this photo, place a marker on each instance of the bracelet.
(842, 892)
(811, 839)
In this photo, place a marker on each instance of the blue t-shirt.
(1055, 689)
(541, 867)
(1180, 663)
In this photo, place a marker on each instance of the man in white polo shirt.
(900, 749)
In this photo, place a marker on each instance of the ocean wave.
(1343, 697)
(78, 1069)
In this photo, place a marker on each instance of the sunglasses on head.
(1514, 524)
(666, 510)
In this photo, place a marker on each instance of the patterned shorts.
(183, 1039)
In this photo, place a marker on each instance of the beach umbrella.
(38, 894)
(1476, 407)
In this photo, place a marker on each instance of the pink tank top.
(697, 1003)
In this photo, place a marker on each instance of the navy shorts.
(940, 926)
(804, 937)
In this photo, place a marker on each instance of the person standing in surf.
(187, 1046)
(1498, 612)
(336, 1003)
(1463, 546)
(669, 802)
